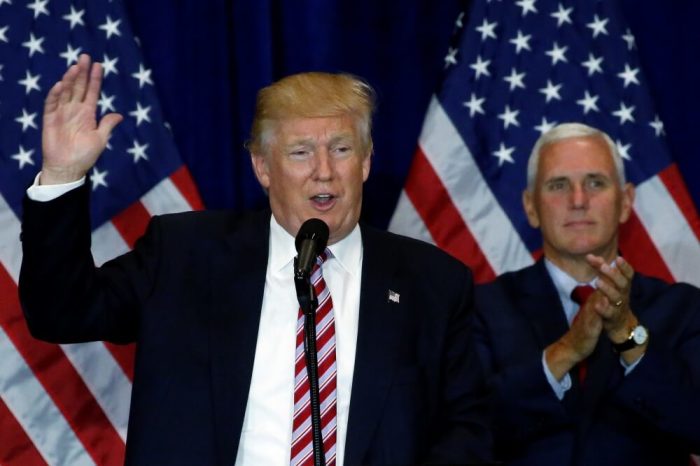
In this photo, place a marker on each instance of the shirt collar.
(563, 282)
(347, 252)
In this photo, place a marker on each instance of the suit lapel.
(378, 339)
(540, 304)
(238, 269)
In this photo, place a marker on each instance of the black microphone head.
(315, 229)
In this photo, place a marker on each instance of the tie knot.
(581, 293)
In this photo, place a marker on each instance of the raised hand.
(72, 139)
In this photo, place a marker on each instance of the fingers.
(54, 95)
(67, 83)
(81, 80)
(92, 94)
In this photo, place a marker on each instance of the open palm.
(72, 139)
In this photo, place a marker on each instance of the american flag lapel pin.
(393, 296)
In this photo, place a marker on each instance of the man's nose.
(324, 165)
(579, 197)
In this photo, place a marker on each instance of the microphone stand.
(306, 295)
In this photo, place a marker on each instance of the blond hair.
(309, 95)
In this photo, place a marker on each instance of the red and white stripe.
(447, 202)
(302, 444)
(69, 404)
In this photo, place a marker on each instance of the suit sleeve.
(466, 408)
(67, 299)
(663, 390)
(525, 406)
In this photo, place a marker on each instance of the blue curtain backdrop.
(210, 57)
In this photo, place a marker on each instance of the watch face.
(640, 335)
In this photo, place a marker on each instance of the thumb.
(108, 123)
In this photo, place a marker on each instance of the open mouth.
(323, 201)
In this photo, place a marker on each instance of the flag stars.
(481, 67)
(557, 53)
(141, 114)
(34, 44)
(30, 82)
(138, 151)
(3, 34)
(515, 79)
(109, 65)
(451, 57)
(551, 91)
(105, 103)
(504, 154)
(624, 113)
(658, 126)
(98, 178)
(143, 76)
(27, 120)
(111, 28)
(9, 2)
(623, 149)
(545, 125)
(629, 38)
(487, 29)
(521, 42)
(75, 17)
(562, 15)
(39, 7)
(24, 157)
(598, 26)
(71, 54)
(527, 6)
(589, 102)
(629, 75)
(458, 21)
(509, 117)
(593, 64)
(475, 105)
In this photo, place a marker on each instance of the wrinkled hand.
(581, 338)
(615, 283)
(72, 140)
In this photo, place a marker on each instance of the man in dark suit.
(209, 298)
(614, 380)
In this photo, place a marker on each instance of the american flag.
(520, 67)
(517, 69)
(69, 404)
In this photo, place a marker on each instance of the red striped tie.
(302, 444)
(580, 295)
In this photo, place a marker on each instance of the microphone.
(310, 242)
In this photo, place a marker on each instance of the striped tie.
(302, 444)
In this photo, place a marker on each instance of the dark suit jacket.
(649, 417)
(190, 295)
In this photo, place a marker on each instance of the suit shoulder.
(208, 222)
(419, 253)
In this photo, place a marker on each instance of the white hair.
(569, 131)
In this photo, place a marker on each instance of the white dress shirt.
(565, 285)
(266, 436)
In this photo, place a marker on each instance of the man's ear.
(261, 169)
(530, 210)
(627, 202)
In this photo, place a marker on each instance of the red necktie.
(302, 443)
(580, 295)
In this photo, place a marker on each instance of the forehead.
(576, 156)
(298, 129)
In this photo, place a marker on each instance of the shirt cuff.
(630, 367)
(559, 387)
(49, 192)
